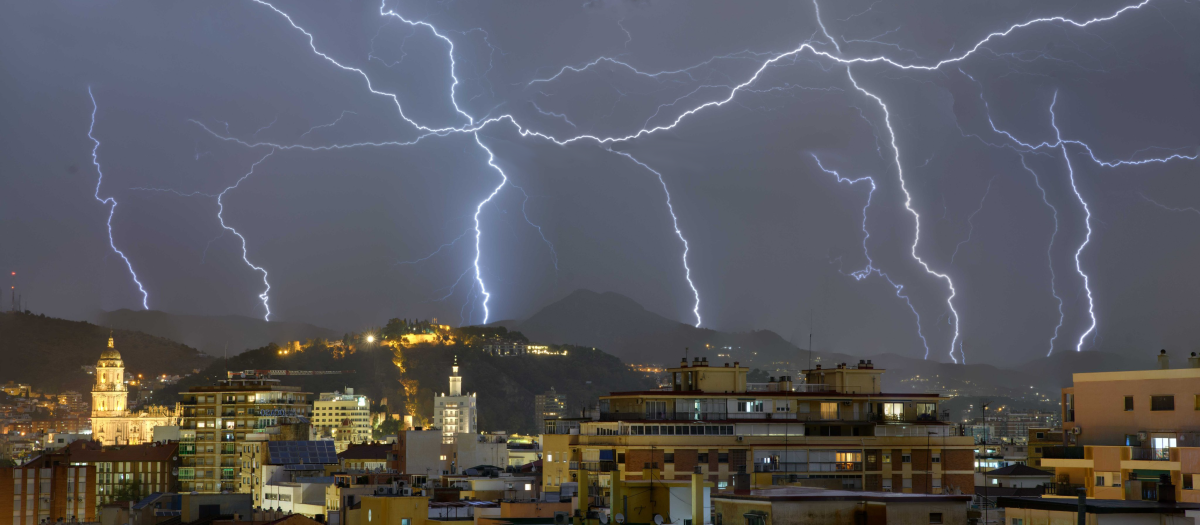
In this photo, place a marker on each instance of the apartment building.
(217, 420)
(456, 412)
(344, 418)
(1131, 435)
(837, 430)
(548, 405)
(136, 470)
(48, 490)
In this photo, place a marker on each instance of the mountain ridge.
(213, 334)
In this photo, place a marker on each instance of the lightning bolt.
(870, 267)
(1188, 209)
(245, 254)
(678, 233)
(111, 202)
(1049, 258)
(971, 219)
(775, 59)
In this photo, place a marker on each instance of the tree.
(131, 491)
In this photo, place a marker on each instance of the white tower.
(455, 413)
(455, 380)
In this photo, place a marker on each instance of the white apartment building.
(344, 418)
(455, 413)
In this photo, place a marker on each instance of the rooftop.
(1096, 506)
(1018, 469)
(367, 451)
(817, 494)
(91, 451)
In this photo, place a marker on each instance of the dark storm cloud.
(345, 233)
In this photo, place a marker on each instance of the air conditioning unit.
(561, 518)
(739, 439)
(407, 491)
(1142, 436)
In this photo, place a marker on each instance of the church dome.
(110, 354)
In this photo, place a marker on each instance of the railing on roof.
(1062, 452)
(1150, 454)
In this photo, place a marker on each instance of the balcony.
(1062, 453)
(1061, 489)
(1150, 454)
(781, 467)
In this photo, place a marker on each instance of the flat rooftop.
(1097, 506)
(818, 494)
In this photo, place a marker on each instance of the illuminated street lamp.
(370, 339)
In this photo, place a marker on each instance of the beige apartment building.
(1131, 435)
(217, 420)
(837, 430)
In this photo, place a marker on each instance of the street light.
(370, 339)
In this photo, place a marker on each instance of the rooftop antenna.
(810, 332)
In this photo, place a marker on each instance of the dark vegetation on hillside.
(505, 385)
(49, 353)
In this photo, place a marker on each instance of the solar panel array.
(302, 452)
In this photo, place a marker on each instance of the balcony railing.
(1061, 489)
(781, 467)
(1062, 452)
(1150, 454)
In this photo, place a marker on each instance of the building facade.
(457, 412)
(112, 421)
(1130, 435)
(47, 490)
(344, 418)
(548, 405)
(133, 470)
(217, 420)
(838, 431)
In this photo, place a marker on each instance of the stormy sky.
(226, 105)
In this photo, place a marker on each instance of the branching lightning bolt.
(111, 202)
(474, 127)
(245, 254)
(870, 267)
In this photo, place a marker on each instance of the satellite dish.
(603, 518)
(658, 519)
(619, 518)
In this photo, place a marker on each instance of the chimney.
(1194, 362)
(870, 364)
(862, 364)
(683, 363)
(735, 364)
(1163, 361)
(727, 364)
(704, 361)
(695, 361)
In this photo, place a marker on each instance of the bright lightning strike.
(112, 204)
(245, 255)
(678, 233)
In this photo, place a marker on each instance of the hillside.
(622, 327)
(211, 334)
(505, 385)
(48, 353)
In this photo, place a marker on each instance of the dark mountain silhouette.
(49, 353)
(620, 326)
(211, 334)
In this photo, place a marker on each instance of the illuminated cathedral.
(112, 422)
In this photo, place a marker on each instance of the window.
(1129, 403)
(1017, 521)
(722, 457)
(1197, 401)
(669, 457)
(906, 458)
(907, 483)
(887, 485)
(937, 457)
(1041, 435)
(829, 410)
(937, 483)
(621, 458)
(1162, 403)
(935, 517)
(403, 521)
(700, 458)
(1099, 481)
(887, 458)
(1188, 482)
(893, 411)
